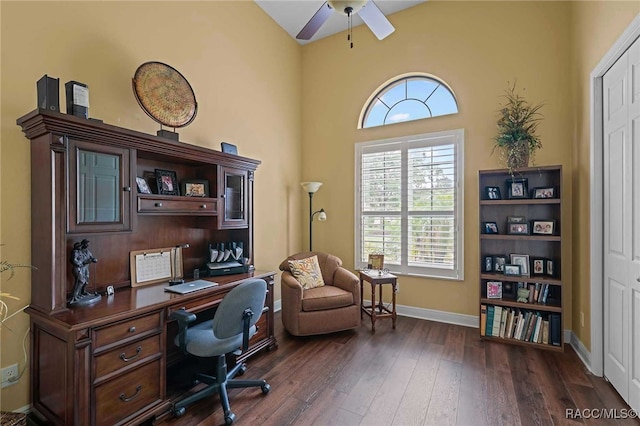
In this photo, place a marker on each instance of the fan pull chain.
(349, 26)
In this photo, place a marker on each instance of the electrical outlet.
(10, 375)
(581, 319)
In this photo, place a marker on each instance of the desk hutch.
(107, 363)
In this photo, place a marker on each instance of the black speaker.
(77, 99)
(49, 93)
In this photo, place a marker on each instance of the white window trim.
(427, 139)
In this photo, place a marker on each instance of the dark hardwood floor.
(422, 373)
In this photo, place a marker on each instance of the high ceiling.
(292, 15)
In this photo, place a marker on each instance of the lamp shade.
(311, 187)
(322, 216)
(342, 5)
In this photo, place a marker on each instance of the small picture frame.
(143, 186)
(509, 290)
(194, 188)
(150, 178)
(376, 262)
(549, 268)
(512, 270)
(494, 290)
(498, 263)
(229, 148)
(487, 264)
(543, 227)
(167, 182)
(538, 266)
(521, 260)
(492, 193)
(544, 192)
(516, 219)
(518, 188)
(518, 228)
(490, 227)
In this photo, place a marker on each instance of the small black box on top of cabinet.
(49, 93)
(77, 99)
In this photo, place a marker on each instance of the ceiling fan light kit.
(366, 9)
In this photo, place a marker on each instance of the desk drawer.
(127, 355)
(119, 398)
(198, 305)
(126, 329)
(191, 206)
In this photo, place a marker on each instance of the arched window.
(410, 97)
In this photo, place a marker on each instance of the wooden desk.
(107, 364)
(375, 279)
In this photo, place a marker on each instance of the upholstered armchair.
(333, 306)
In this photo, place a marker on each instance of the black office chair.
(231, 328)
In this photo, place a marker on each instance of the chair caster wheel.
(179, 412)
(229, 419)
(242, 370)
(265, 388)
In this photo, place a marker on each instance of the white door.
(621, 102)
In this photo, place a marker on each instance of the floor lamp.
(311, 188)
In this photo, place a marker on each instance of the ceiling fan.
(366, 9)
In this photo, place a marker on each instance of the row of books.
(520, 324)
(538, 292)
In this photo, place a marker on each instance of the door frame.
(631, 33)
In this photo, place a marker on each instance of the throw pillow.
(307, 272)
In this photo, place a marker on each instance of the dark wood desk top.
(139, 300)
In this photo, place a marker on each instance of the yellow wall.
(245, 71)
(595, 28)
(477, 48)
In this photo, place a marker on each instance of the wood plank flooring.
(422, 373)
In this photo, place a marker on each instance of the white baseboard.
(581, 350)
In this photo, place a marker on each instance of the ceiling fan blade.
(315, 22)
(375, 20)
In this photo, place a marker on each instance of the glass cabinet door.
(234, 198)
(99, 188)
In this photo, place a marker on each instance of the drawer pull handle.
(158, 204)
(127, 189)
(132, 329)
(204, 206)
(124, 357)
(125, 398)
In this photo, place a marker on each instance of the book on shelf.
(496, 321)
(545, 332)
(483, 319)
(545, 293)
(555, 329)
(530, 326)
(536, 329)
(532, 288)
(489, 326)
(536, 292)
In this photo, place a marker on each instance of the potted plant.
(517, 140)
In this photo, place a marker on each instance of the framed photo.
(498, 263)
(487, 264)
(516, 219)
(490, 227)
(521, 260)
(229, 148)
(518, 188)
(195, 188)
(518, 228)
(143, 186)
(150, 178)
(512, 270)
(376, 261)
(167, 182)
(537, 266)
(492, 193)
(550, 268)
(544, 192)
(543, 227)
(494, 290)
(509, 290)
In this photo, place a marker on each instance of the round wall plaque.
(164, 94)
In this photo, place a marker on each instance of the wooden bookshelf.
(545, 249)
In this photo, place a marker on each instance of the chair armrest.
(291, 292)
(184, 318)
(348, 281)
